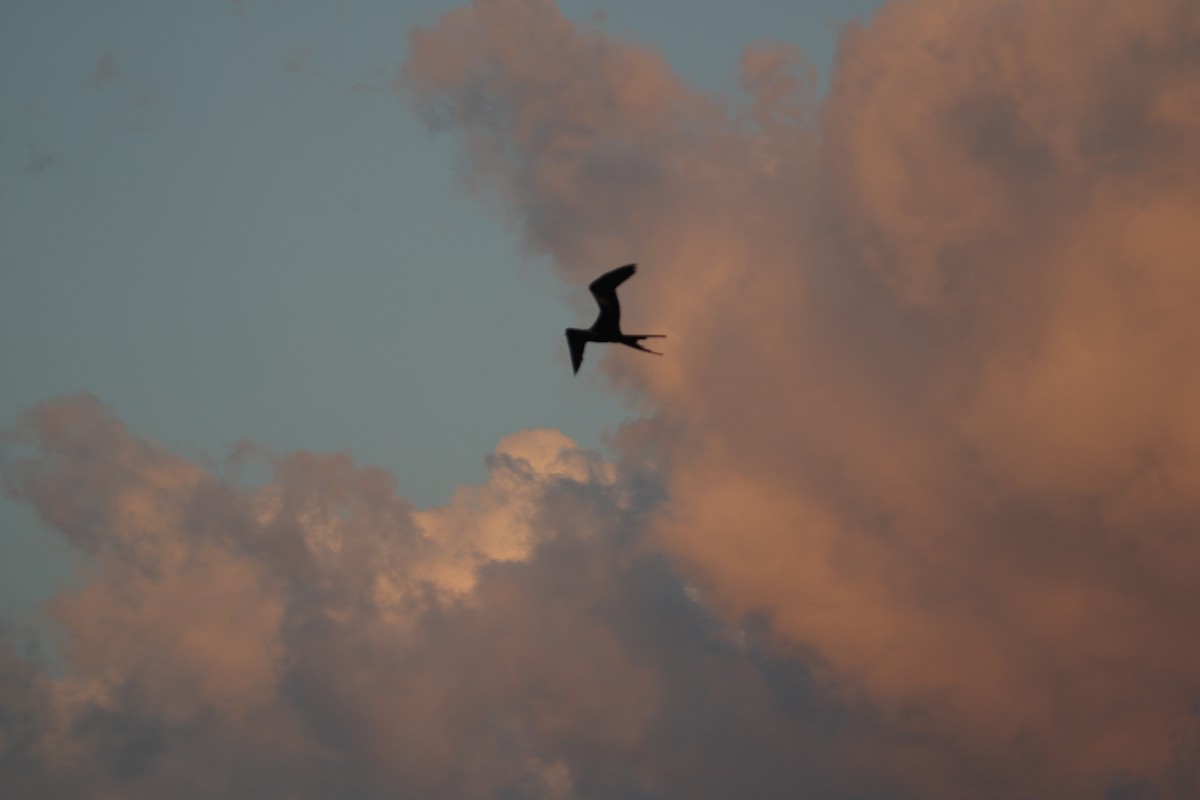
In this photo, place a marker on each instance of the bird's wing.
(604, 289)
(576, 340)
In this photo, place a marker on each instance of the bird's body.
(607, 327)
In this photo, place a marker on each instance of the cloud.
(930, 400)
(915, 515)
(317, 636)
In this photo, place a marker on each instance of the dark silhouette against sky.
(607, 327)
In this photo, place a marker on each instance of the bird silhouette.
(607, 327)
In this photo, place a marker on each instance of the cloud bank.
(318, 637)
(915, 515)
(930, 406)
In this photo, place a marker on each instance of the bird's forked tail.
(634, 341)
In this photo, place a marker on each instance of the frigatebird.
(607, 327)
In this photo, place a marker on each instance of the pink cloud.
(924, 453)
(930, 398)
(318, 637)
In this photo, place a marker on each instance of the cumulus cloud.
(930, 405)
(915, 515)
(317, 636)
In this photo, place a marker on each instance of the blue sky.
(218, 219)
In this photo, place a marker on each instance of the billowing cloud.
(930, 400)
(318, 637)
(915, 515)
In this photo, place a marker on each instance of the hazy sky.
(303, 499)
(219, 218)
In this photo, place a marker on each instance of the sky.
(303, 500)
(222, 221)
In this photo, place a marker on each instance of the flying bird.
(607, 327)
